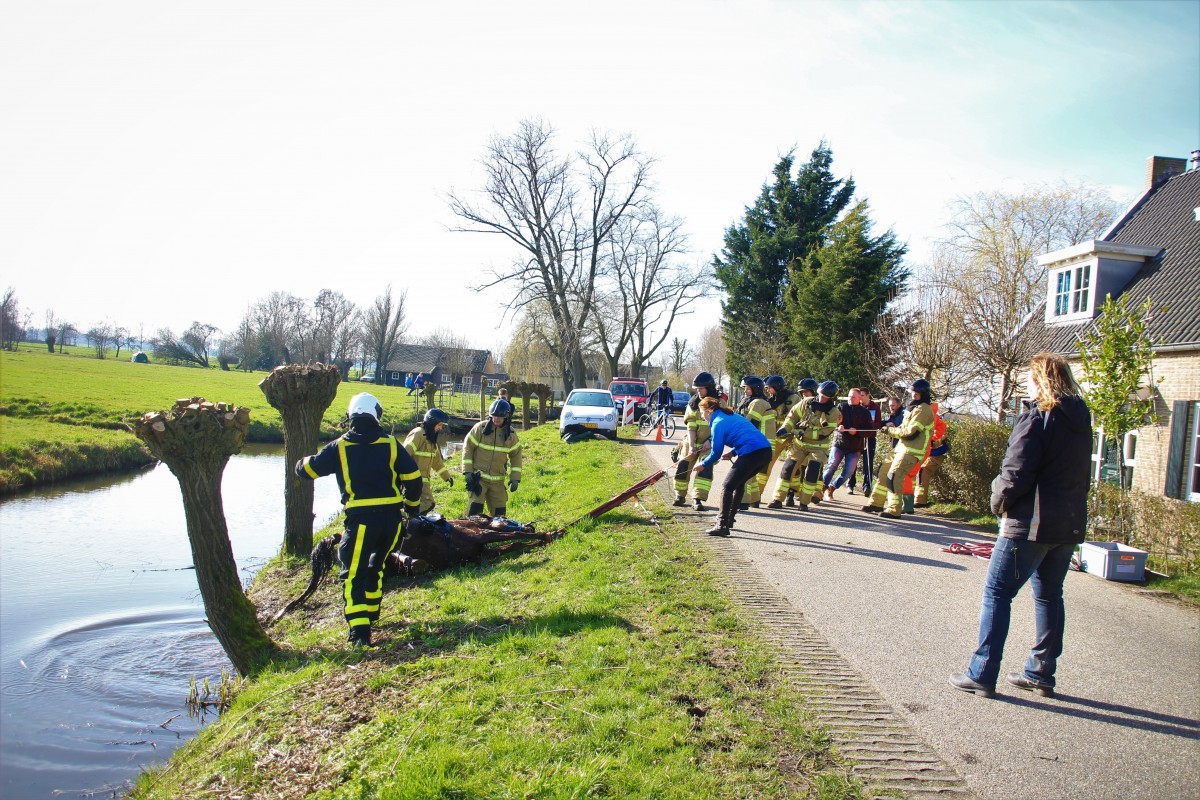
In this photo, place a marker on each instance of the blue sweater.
(738, 433)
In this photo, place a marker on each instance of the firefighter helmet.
(828, 388)
(808, 384)
(499, 408)
(436, 415)
(705, 379)
(777, 383)
(365, 403)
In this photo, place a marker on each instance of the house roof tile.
(1165, 218)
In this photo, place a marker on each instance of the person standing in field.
(380, 483)
(1040, 496)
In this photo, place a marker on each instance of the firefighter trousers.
(683, 473)
(929, 468)
(903, 463)
(801, 472)
(368, 539)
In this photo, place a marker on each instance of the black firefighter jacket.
(1041, 491)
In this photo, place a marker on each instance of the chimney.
(1160, 168)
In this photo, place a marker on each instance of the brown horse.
(431, 542)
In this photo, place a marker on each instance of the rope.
(982, 550)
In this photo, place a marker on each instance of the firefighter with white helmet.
(492, 456)
(379, 482)
(422, 444)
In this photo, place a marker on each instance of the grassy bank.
(608, 664)
(64, 416)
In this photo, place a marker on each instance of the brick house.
(1152, 251)
(463, 367)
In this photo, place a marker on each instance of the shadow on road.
(1086, 708)
(841, 548)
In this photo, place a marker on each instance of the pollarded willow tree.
(195, 440)
(300, 393)
(561, 213)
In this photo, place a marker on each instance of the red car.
(633, 390)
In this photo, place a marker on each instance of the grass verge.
(608, 664)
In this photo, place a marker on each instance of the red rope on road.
(982, 550)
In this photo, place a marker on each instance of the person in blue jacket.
(750, 451)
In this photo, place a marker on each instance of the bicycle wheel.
(669, 427)
(646, 425)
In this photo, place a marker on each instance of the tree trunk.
(1002, 414)
(301, 393)
(195, 441)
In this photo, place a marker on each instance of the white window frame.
(395, 376)
(1193, 486)
(1073, 289)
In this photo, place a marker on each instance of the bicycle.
(652, 419)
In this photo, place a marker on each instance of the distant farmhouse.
(1152, 251)
(465, 368)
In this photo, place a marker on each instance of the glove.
(782, 432)
(512, 485)
(474, 483)
(450, 480)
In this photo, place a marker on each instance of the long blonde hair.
(1052, 379)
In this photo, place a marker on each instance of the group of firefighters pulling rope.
(801, 426)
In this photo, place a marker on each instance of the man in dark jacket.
(847, 442)
(1040, 496)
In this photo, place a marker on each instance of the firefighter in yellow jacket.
(912, 442)
(492, 456)
(811, 424)
(756, 408)
(379, 480)
(781, 400)
(695, 445)
(422, 444)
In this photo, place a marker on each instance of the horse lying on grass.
(431, 542)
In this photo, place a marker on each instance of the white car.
(592, 409)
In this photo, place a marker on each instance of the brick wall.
(1181, 381)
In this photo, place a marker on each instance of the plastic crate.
(1113, 561)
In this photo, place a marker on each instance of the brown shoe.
(775, 504)
(828, 492)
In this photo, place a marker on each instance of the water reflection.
(101, 622)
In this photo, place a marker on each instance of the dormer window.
(1080, 274)
(1071, 287)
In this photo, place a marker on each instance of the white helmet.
(365, 403)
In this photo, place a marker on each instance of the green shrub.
(1169, 530)
(976, 451)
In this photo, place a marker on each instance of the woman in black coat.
(1040, 496)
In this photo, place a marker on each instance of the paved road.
(1126, 721)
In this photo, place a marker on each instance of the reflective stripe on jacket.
(759, 412)
(812, 427)
(426, 454)
(370, 472)
(916, 430)
(490, 453)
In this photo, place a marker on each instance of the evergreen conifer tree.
(835, 295)
(785, 223)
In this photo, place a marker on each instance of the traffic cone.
(658, 434)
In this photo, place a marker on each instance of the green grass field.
(609, 664)
(74, 406)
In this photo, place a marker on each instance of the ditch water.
(102, 624)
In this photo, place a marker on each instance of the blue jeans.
(1013, 562)
(836, 456)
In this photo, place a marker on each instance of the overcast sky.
(164, 162)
